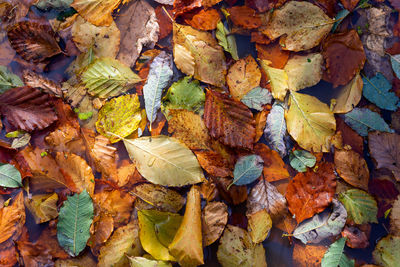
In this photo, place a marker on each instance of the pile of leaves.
(161, 132)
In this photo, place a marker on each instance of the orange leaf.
(308, 255)
(205, 20)
(274, 167)
(274, 54)
(12, 219)
(349, 4)
(245, 17)
(213, 163)
(258, 37)
(311, 192)
(261, 120)
(235, 195)
(183, 6)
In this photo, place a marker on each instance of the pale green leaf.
(360, 206)
(159, 76)
(164, 160)
(386, 252)
(335, 256)
(275, 130)
(9, 176)
(376, 90)
(226, 40)
(107, 77)
(8, 80)
(143, 262)
(326, 224)
(256, 98)
(247, 169)
(74, 220)
(301, 159)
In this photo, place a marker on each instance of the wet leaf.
(43, 207)
(33, 41)
(386, 251)
(75, 218)
(310, 122)
(53, 4)
(384, 148)
(327, 224)
(349, 96)
(27, 108)
(187, 245)
(278, 79)
(159, 76)
(97, 12)
(8, 80)
(205, 20)
(301, 159)
(157, 230)
(355, 238)
(376, 90)
(273, 54)
(214, 163)
(352, 168)
(143, 262)
(311, 192)
(33, 79)
(308, 255)
(247, 169)
(301, 25)
(221, 116)
(256, 98)
(100, 231)
(214, 220)
(335, 255)
(164, 160)
(9, 176)
(119, 117)
(245, 17)
(12, 219)
(21, 141)
(360, 206)
(226, 40)
(275, 129)
(260, 224)
(107, 77)
(363, 120)
(395, 217)
(274, 167)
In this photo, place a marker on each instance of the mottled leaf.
(352, 168)
(275, 129)
(214, 219)
(386, 252)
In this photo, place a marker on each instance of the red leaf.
(27, 108)
(229, 121)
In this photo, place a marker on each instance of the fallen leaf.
(33, 41)
(247, 169)
(214, 219)
(100, 231)
(221, 116)
(360, 206)
(12, 219)
(308, 255)
(242, 77)
(335, 255)
(376, 90)
(245, 17)
(259, 226)
(43, 207)
(344, 56)
(274, 167)
(355, 238)
(33, 79)
(213, 163)
(164, 22)
(395, 60)
(278, 79)
(10, 176)
(82, 261)
(384, 148)
(143, 262)
(352, 168)
(349, 95)
(273, 54)
(301, 159)
(301, 26)
(349, 4)
(310, 122)
(183, 6)
(8, 80)
(234, 195)
(66, 138)
(104, 40)
(97, 12)
(205, 20)
(164, 160)
(395, 217)
(53, 4)
(27, 108)
(386, 251)
(349, 136)
(261, 120)
(139, 28)
(311, 192)
(226, 40)
(275, 130)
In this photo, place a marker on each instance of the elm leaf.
(360, 206)
(301, 159)
(377, 91)
(256, 98)
(247, 169)
(335, 255)
(9, 176)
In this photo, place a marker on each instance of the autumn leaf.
(27, 108)
(205, 20)
(53, 4)
(311, 192)
(8, 80)
(256, 98)
(247, 169)
(100, 231)
(214, 219)
(43, 207)
(395, 217)
(301, 159)
(376, 90)
(273, 54)
(279, 80)
(385, 253)
(335, 255)
(33, 41)
(308, 255)
(226, 40)
(214, 163)
(360, 206)
(245, 17)
(221, 116)
(274, 167)
(352, 168)
(275, 129)
(97, 12)
(33, 79)
(259, 226)
(301, 26)
(12, 219)
(349, 96)
(143, 262)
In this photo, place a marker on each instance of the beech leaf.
(335, 255)
(8, 80)
(275, 130)
(75, 218)
(301, 159)
(256, 98)
(164, 160)
(226, 40)
(376, 90)
(214, 219)
(159, 76)
(9, 176)
(360, 206)
(247, 169)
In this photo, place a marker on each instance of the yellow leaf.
(259, 225)
(187, 246)
(43, 207)
(349, 95)
(278, 79)
(97, 12)
(184, 59)
(310, 122)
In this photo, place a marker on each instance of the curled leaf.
(8, 80)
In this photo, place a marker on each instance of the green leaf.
(363, 120)
(396, 64)
(8, 80)
(275, 130)
(184, 94)
(256, 98)
(107, 77)
(335, 256)
(15, 134)
(386, 252)
(164, 160)
(9, 176)
(143, 262)
(226, 40)
(53, 4)
(301, 159)
(360, 206)
(159, 76)
(247, 169)
(157, 230)
(329, 223)
(119, 117)
(74, 220)
(377, 91)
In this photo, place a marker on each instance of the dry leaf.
(261, 120)
(97, 12)
(43, 207)
(352, 168)
(214, 220)
(12, 219)
(213, 163)
(35, 80)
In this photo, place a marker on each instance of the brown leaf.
(385, 149)
(344, 56)
(352, 168)
(350, 137)
(27, 108)
(229, 121)
(274, 54)
(349, 4)
(210, 3)
(101, 229)
(97, 12)
(183, 6)
(355, 237)
(308, 255)
(34, 255)
(245, 17)
(259, 38)
(243, 76)
(33, 41)
(213, 163)
(261, 120)
(164, 21)
(274, 167)
(32, 79)
(205, 20)
(214, 218)
(311, 192)
(7, 53)
(235, 195)
(208, 190)
(66, 138)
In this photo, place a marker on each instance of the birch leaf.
(376, 90)
(335, 255)
(8, 80)
(275, 129)
(360, 206)
(9, 176)
(107, 77)
(256, 98)
(349, 96)
(164, 160)
(226, 40)
(159, 76)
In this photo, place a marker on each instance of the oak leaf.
(229, 121)
(311, 192)
(352, 168)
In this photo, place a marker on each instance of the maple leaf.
(229, 121)
(27, 108)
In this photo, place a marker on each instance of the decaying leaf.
(260, 224)
(43, 207)
(205, 20)
(308, 255)
(363, 120)
(214, 163)
(214, 219)
(395, 217)
(274, 167)
(12, 219)
(360, 206)
(8, 80)
(245, 17)
(275, 129)
(352, 168)
(33, 79)
(386, 251)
